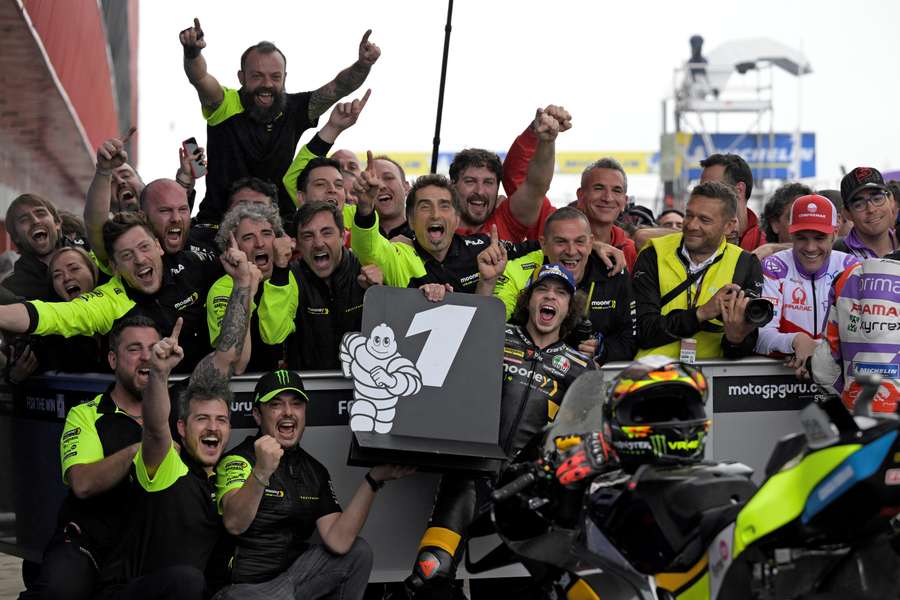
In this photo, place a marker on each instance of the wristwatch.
(375, 485)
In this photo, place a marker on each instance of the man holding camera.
(693, 288)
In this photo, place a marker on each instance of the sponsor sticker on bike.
(892, 477)
(720, 555)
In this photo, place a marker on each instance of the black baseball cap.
(275, 382)
(858, 179)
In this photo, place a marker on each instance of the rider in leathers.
(538, 367)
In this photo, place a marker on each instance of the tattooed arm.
(346, 81)
(233, 346)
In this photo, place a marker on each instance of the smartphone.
(190, 146)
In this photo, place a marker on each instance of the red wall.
(73, 35)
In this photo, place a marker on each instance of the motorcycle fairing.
(783, 497)
(857, 467)
(693, 584)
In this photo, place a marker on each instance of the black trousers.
(67, 572)
(173, 583)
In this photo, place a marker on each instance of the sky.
(609, 63)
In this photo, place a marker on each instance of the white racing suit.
(800, 299)
(862, 332)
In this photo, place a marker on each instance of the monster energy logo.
(659, 444)
(282, 376)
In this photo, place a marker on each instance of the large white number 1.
(448, 325)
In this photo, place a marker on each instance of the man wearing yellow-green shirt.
(254, 130)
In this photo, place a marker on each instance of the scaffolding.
(735, 85)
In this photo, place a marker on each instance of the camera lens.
(759, 312)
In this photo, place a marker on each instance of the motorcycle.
(820, 526)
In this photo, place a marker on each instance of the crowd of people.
(271, 273)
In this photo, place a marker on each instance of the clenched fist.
(268, 455)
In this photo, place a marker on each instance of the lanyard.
(699, 284)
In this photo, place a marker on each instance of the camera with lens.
(759, 312)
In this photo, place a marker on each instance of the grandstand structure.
(68, 75)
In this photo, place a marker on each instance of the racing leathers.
(800, 298)
(610, 303)
(534, 383)
(862, 334)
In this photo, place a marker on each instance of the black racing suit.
(534, 383)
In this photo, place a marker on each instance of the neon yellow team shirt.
(80, 443)
(277, 307)
(94, 312)
(231, 474)
(169, 471)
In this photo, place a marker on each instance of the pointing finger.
(232, 242)
(495, 238)
(198, 28)
(365, 98)
(370, 161)
(366, 35)
(128, 134)
(176, 331)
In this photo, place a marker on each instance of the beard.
(130, 385)
(261, 114)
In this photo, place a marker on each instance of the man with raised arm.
(476, 175)
(175, 525)
(438, 254)
(608, 328)
(254, 130)
(140, 285)
(273, 495)
(99, 441)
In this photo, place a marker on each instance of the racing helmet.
(655, 413)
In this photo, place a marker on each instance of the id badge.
(688, 351)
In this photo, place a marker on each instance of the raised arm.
(208, 88)
(347, 81)
(342, 118)
(239, 504)
(156, 438)
(110, 156)
(526, 201)
(491, 264)
(234, 329)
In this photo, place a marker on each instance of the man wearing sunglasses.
(869, 204)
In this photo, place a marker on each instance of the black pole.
(440, 107)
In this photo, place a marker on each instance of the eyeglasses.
(859, 204)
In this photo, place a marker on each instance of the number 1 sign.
(426, 380)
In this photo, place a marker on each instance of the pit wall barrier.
(753, 403)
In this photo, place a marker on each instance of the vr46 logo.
(661, 446)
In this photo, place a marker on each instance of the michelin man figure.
(380, 376)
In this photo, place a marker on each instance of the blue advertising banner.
(770, 157)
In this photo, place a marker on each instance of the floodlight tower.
(735, 79)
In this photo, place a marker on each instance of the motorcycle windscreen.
(581, 411)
